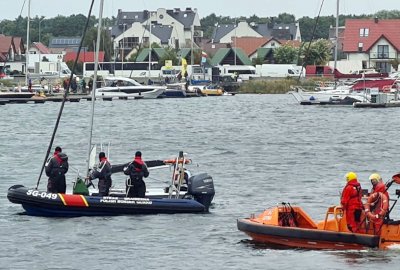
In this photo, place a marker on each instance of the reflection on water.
(365, 256)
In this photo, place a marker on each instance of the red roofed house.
(83, 56)
(11, 48)
(375, 42)
(38, 48)
(11, 53)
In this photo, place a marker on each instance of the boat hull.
(306, 238)
(133, 92)
(40, 203)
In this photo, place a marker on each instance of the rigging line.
(309, 44)
(65, 95)
(22, 8)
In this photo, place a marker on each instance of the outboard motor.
(201, 187)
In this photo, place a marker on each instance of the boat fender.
(376, 206)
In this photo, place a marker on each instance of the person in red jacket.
(351, 202)
(378, 185)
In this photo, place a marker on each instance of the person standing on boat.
(378, 202)
(377, 184)
(30, 85)
(56, 168)
(137, 169)
(103, 173)
(351, 202)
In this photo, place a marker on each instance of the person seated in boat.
(137, 170)
(56, 167)
(351, 202)
(103, 173)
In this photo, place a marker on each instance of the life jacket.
(380, 187)
(57, 157)
(353, 198)
(138, 163)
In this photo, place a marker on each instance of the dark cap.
(58, 149)
(138, 154)
(102, 155)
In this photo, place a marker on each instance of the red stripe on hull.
(74, 200)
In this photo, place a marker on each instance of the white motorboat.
(326, 95)
(122, 87)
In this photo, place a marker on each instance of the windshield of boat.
(113, 82)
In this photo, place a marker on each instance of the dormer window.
(360, 46)
(364, 32)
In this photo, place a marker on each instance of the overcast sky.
(233, 8)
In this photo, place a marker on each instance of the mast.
(191, 43)
(27, 43)
(336, 42)
(93, 94)
(336, 34)
(149, 54)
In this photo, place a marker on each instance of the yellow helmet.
(350, 176)
(375, 177)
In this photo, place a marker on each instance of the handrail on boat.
(336, 211)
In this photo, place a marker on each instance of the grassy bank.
(275, 86)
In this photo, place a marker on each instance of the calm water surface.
(260, 150)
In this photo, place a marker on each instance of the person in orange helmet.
(351, 202)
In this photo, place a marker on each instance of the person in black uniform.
(56, 168)
(103, 173)
(137, 169)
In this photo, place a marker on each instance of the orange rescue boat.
(291, 226)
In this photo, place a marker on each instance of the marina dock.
(36, 99)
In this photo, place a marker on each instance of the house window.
(364, 32)
(383, 51)
(272, 44)
(360, 46)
